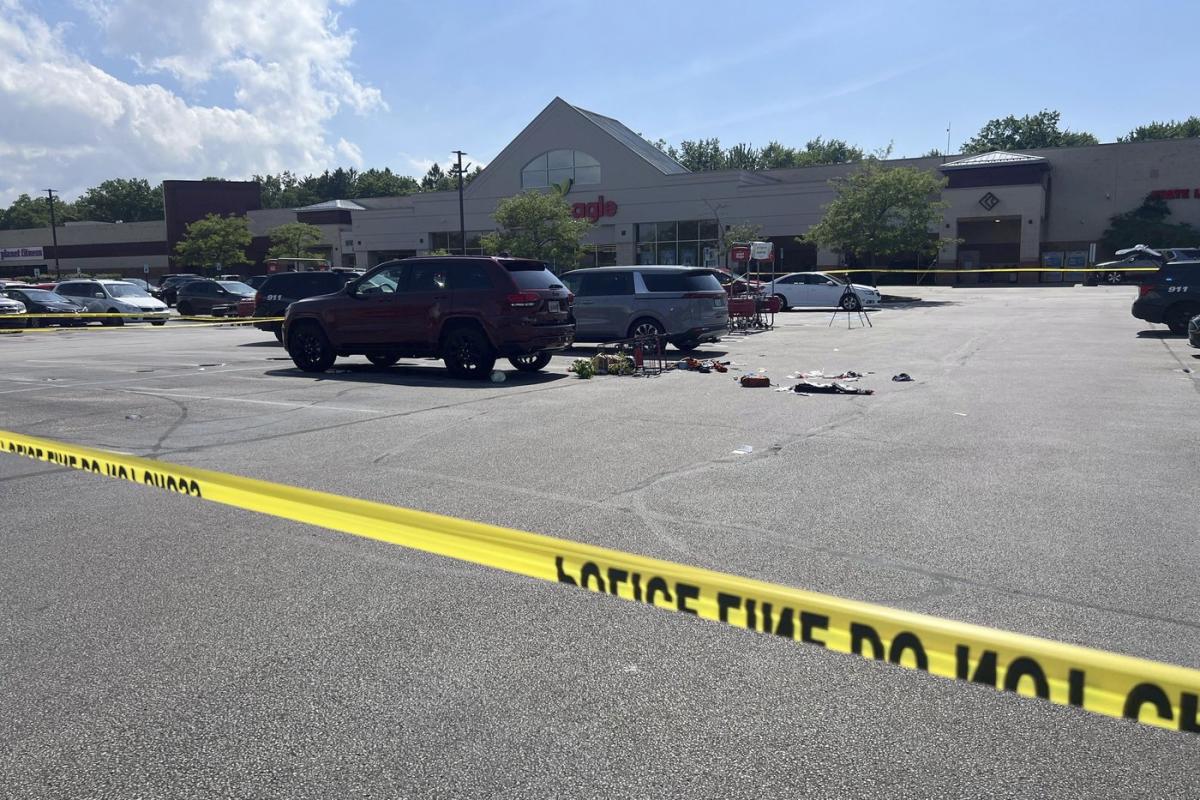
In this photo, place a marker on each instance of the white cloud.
(70, 124)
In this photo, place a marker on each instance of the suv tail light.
(570, 299)
(1144, 289)
(523, 300)
(258, 298)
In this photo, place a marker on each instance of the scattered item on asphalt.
(744, 450)
(808, 387)
(582, 367)
(902, 377)
(706, 366)
(959, 414)
(752, 381)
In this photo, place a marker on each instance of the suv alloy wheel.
(467, 353)
(310, 348)
(531, 363)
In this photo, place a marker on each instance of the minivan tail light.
(1144, 289)
(523, 300)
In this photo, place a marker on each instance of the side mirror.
(831, 283)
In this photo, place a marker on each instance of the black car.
(1171, 295)
(59, 310)
(219, 298)
(1194, 331)
(1134, 262)
(284, 288)
(168, 288)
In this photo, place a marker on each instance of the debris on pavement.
(902, 377)
(744, 450)
(809, 388)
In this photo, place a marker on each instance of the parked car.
(1171, 295)
(138, 282)
(8, 307)
(687, 305)
(1194, 331)
(168, 287)
(219, 298)
(1121, 271)
(821, 290)
(61, 310)
(284, 288)
(738, 284)
(114, 297)
(467, 310)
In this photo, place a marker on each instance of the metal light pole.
(54, 235)
(462, 220)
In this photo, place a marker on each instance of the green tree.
(283, 191)
(293, 240)
(34, 212)
(537, 225)
(833, 151)
(740, 233)
(436, 180)
(1026, 133)
(701, 155)
(124, 199)
(214, 242)
(1147, 224)
(1187, 129)
(384, 183)
(882, 212)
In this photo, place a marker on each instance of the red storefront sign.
(1176, 194)
(594, 210)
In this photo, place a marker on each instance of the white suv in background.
(114, 297)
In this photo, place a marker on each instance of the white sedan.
(820, 290)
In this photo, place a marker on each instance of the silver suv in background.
(686, 305)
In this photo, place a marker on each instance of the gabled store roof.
(996, 158)
(623, 134)
(334, 205)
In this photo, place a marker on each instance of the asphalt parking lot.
(1038, 475)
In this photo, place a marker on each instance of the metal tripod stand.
(851, 303)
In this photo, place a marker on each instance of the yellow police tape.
(1105, 683)
(191, 322)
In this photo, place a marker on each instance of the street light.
(462, 220)
(54, 235)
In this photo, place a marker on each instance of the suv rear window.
(532, 275)
(303, 284)
(681, 282)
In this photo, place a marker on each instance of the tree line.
(137, 200)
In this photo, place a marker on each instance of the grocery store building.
(1036, 207)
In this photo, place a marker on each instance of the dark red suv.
(466, 310)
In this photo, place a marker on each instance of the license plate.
(553, 305)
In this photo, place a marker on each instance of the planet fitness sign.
(20, 253)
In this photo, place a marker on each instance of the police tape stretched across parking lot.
(1112, 684)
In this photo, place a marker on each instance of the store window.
(451, 242)
(558, 166)
(687, 243)
(599, 255)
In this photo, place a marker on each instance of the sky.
(184, 89)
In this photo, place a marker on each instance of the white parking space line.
(153, 393)
(142, 377)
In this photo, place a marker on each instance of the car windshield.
(237, 287)
(124, 290)
(43, 296)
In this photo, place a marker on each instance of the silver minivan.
(686, 305)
